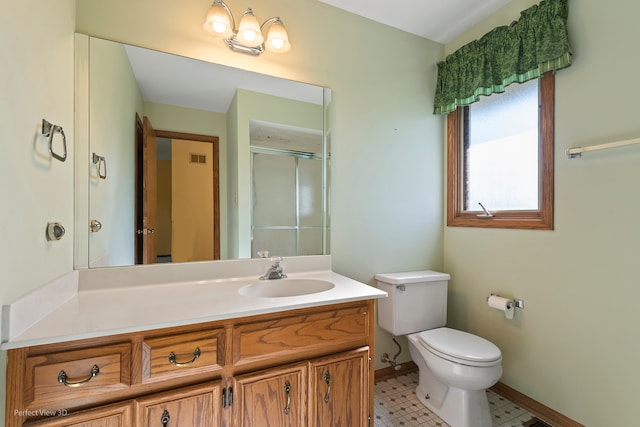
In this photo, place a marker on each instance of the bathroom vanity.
(229, 351)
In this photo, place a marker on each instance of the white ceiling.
(186, 82)
(437, 20)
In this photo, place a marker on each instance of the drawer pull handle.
(287, 390)
(173, 361)
(62, 378)
(165, 418)
(327, 379)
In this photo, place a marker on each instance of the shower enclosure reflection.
(287, 192)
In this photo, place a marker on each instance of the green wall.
(36, 82)
(575, 345)
(114, 99)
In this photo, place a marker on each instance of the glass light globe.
(218, 22)
(278, 39)
(249, 33)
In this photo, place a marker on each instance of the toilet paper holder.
(518, 303)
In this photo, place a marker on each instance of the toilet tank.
(417, 301)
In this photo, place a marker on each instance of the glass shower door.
(286, 203)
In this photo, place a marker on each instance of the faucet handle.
(276, 260)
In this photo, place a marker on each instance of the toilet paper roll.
(503, 304)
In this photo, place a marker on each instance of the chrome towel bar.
(577, 151)
(48, 130)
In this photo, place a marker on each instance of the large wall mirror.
(181, 160)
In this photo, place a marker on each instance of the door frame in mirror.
(139, 191)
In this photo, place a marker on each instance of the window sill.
(527, 220)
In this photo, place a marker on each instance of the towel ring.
(48, 130)
(101, 164)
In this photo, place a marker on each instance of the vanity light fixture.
(248, 38)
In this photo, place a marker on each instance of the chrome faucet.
(275, 271)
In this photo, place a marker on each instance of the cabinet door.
(272, 398)
(197, 406)
(118, 415)
(339, 389)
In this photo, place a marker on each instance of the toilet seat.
(460, 347)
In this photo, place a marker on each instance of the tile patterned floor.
(396, 405)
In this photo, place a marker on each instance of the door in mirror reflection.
(177, 197)
(192, 204)
(146, 229)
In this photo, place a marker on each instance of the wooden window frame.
(541, 219)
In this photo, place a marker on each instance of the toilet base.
(460, 408)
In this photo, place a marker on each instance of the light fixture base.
(236, 46)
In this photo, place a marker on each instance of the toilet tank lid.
(412, 277)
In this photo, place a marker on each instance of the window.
(500, 158)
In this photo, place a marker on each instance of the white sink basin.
(285, 288)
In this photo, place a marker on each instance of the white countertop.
(108, 306)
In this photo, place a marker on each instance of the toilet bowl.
(455, 367)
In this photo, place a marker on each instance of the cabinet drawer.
(55, 380)
(288, 338)
(182, 354)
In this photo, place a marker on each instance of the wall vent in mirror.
(198, 158)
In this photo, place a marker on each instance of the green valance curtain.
(526, 49)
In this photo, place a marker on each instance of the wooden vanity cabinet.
(262, 370)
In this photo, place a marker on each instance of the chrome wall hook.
(49, 130)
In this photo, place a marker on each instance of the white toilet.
(455, 367)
